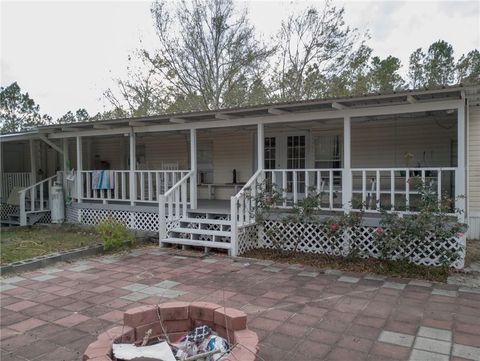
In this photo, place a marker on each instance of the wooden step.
(206, 221)
(208, 232)
(190, 242)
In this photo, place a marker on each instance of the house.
(190, 176)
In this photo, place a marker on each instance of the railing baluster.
(124, 185)
(307, 183)
(241, 211)
(142, 186)
(184, 199)
(295, 194)
(330, 190)
(41, 197)
(407, 189)
(378, 190)
(157, 184)
(284, 190)
(32, 199)
(439, 186)
(319, 181)
(116, 185)
(364, 189)
(392, 190)
(150, 188)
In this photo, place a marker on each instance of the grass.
(19, 243)
(361, 265)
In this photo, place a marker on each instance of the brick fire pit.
(177, 319)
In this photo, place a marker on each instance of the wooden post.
(162, 220)
(347, 165)
(65, 155)
(460, 173)
(260, 146)
(79, 169)
(193, 166)
(33, 163)
(234, 232)
(133, 164)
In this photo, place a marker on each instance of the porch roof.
(329, 106)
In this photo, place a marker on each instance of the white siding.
(384, 144)
(474, 172)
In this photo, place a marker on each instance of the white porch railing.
(11, 180)
(172, 206)
(147, 185)
(35, 198)
(390, 189)
(372, 188)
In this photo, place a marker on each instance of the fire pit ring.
(177, 318)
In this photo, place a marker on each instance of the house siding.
(384, 144)
(474, 172)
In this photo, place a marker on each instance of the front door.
(287, 151)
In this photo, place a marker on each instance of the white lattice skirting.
(143, 221)
(6, 209)
(312, 238)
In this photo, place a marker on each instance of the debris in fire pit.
(201, 341)
(128, 352)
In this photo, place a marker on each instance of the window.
(205, 161)
(269, 153)
(328, 151)
(296, 152)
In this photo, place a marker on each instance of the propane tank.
(57, 203)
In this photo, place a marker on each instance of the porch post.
(133, 165)
(460, 195)
(33, 163)
(260, 146)
(347, 163)
(65, 154)
(79, 169)
(193, 166)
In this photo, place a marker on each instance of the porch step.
(197, 243)
(207, 229)
(206, 221)
(13, 218)
(208, 232)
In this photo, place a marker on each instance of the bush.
(114, 234)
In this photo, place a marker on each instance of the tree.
(439, 64)
(416, 71)
(141, 94)
(468, 68)
(80, 115)
(208, 54)
(19, 112)
(313, 46)
(384, 74)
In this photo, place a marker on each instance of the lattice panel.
(312, 238)
(247, 239)
(6, 209)
(144, 221)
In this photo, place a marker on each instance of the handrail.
(172, 205)
(249, 183)
(38, 183)
(32, 190)
(188, 175)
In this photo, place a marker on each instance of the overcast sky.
(65, 53)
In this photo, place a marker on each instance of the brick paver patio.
(299, 313)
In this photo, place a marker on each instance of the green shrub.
(113, 234)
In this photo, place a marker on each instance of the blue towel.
(102, 179)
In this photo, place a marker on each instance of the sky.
(65, 54)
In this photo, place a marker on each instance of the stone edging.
(49, 259)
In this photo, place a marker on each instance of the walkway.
(298, 313)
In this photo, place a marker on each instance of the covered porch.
(191, 177)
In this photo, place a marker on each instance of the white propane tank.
(57, 203)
